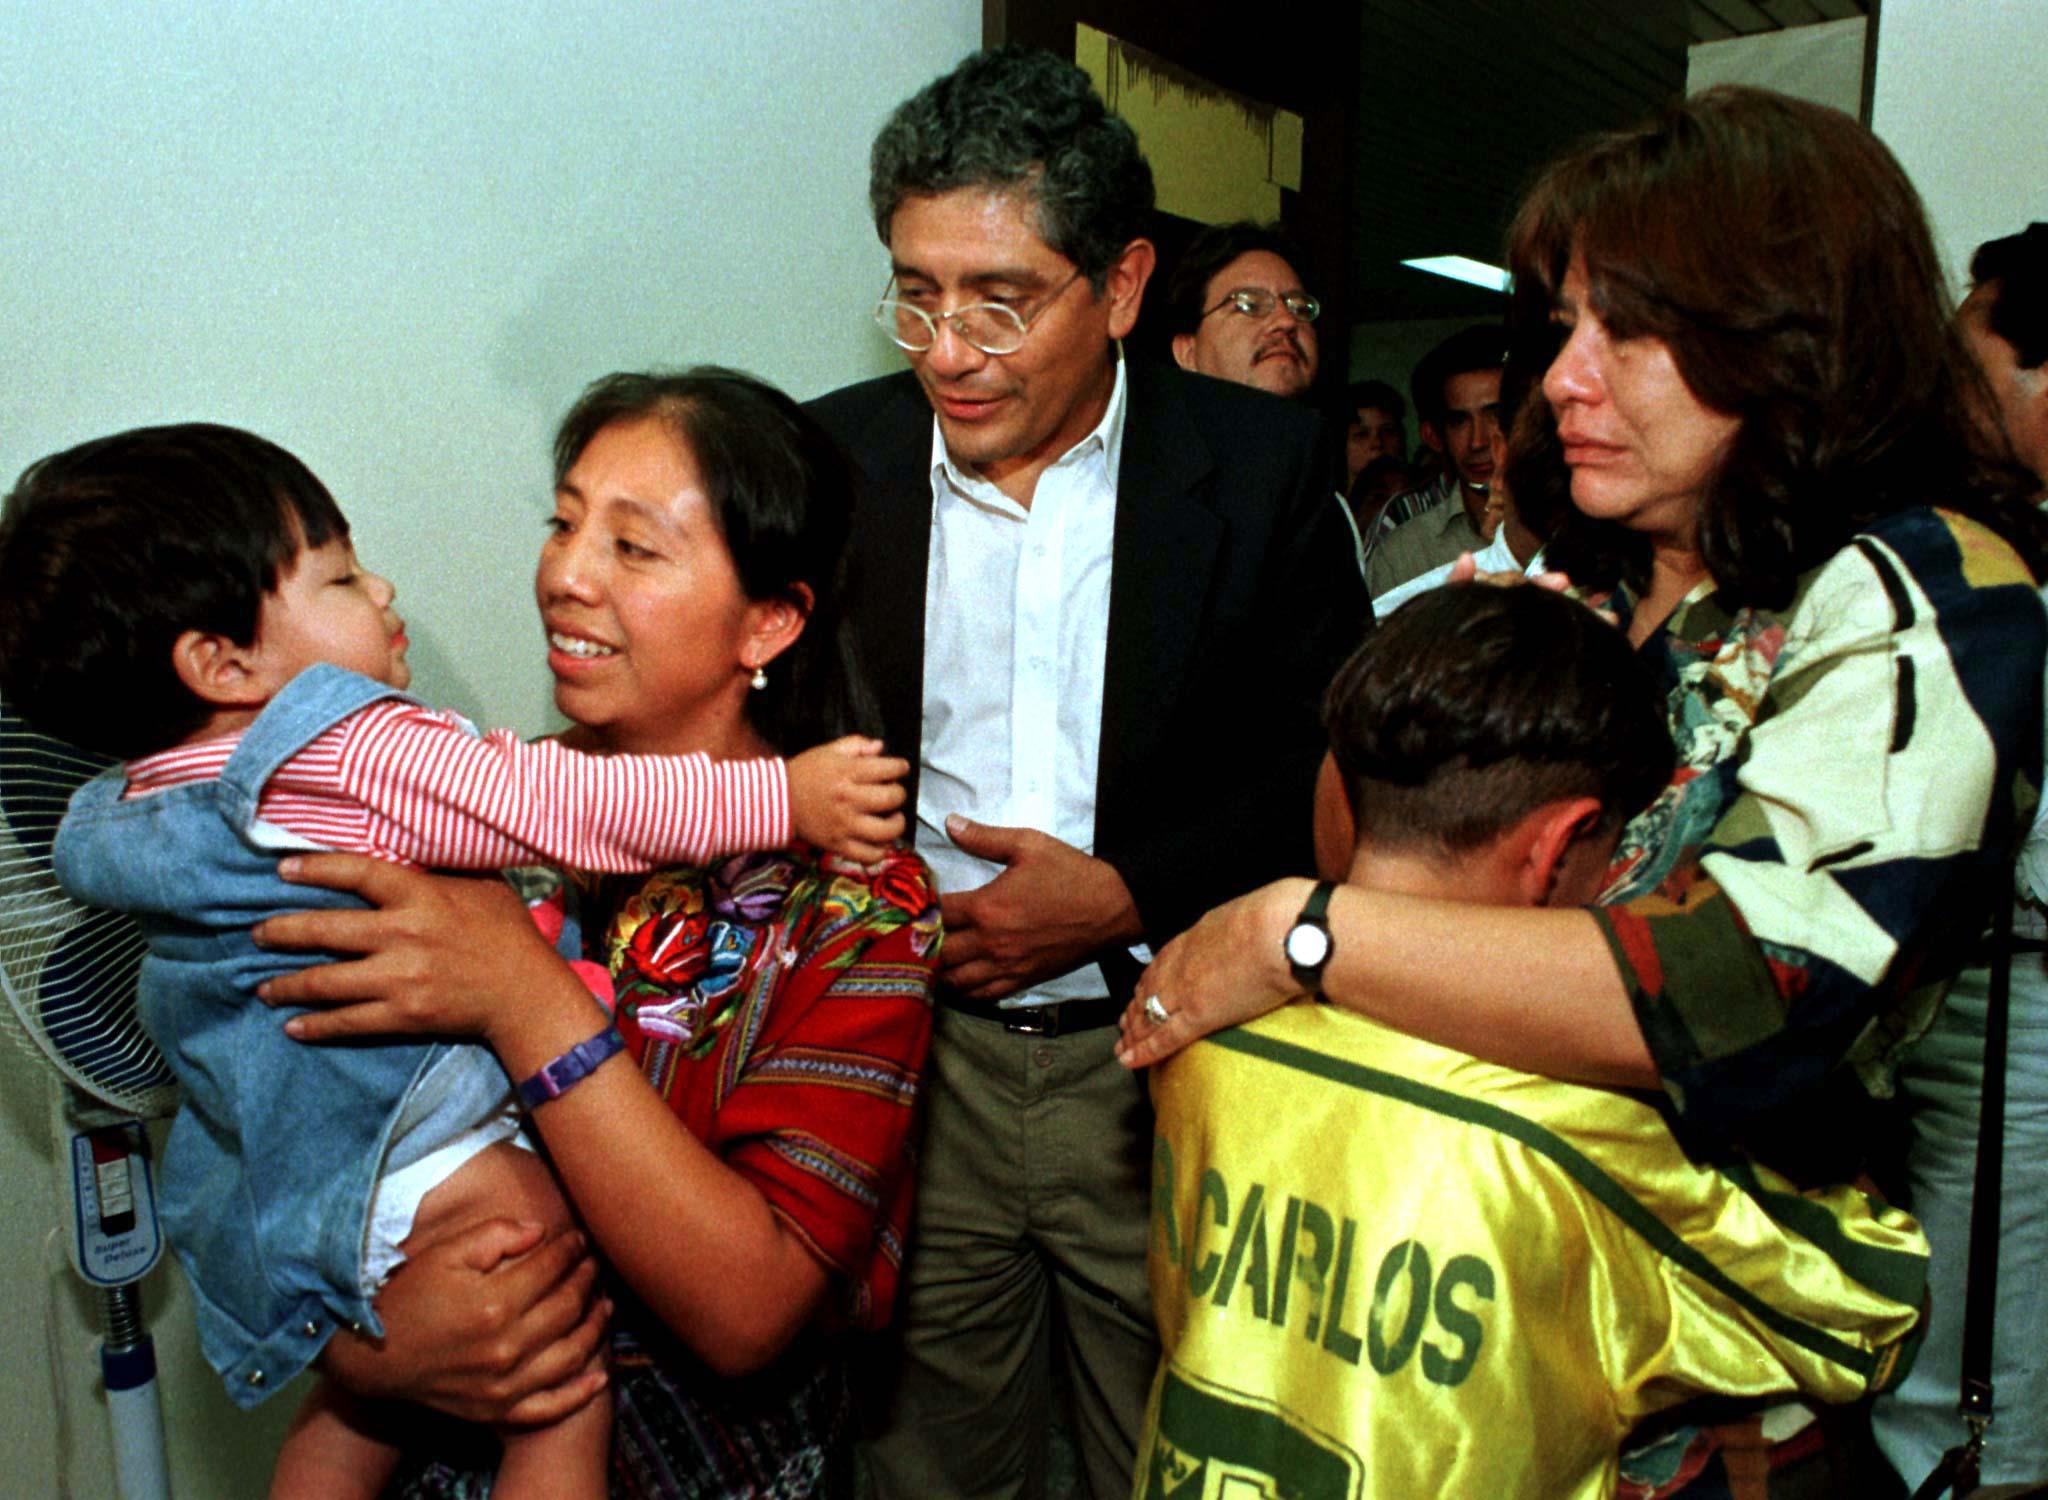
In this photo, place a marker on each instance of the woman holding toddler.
(743, 1170)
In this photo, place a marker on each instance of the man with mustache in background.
(1240, 311)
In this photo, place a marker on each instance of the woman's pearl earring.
(760, 678)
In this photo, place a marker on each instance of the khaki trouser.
(1028, 1245)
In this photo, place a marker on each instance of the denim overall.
(267, 1177)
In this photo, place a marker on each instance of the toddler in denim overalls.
(294, 1174)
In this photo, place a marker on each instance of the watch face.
(1307, 945)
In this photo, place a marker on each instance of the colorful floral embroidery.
(904, 886)
(690, 946)
(667, 950)
(780, 1005)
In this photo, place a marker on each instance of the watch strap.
(571, 1068)
(1314, 913)
(1317, 907)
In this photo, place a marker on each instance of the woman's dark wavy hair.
(782, 493)
(1778, 249)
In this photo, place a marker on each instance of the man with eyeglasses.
(1240, 311)
(1099, 600)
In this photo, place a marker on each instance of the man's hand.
(1046, 912)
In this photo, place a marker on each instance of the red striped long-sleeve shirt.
(415, 785)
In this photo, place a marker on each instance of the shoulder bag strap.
(1958, 1469)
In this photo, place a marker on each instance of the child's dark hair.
(111, 550)
(1470, 707)
(782, 493)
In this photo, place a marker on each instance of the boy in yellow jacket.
(1383, 1268)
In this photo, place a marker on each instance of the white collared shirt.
(1495, 557)
(1016, 623)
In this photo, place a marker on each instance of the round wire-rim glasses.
(991, 327)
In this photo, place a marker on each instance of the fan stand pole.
(128, 1367)
(115, 1242)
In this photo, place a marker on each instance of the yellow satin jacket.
(1385, 1269)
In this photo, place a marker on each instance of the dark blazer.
(1234, 595)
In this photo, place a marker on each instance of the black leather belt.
(1038, 1020)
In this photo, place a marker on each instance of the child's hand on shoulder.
(844, 797)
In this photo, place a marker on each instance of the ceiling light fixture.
(1463, 268)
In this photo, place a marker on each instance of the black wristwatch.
(1308, 944)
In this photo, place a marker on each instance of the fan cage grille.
(67, 971)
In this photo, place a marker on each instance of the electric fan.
(67, 973)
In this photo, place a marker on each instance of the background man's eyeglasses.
(1257, 302)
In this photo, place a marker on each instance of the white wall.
(1959, 100)
(398, 238)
